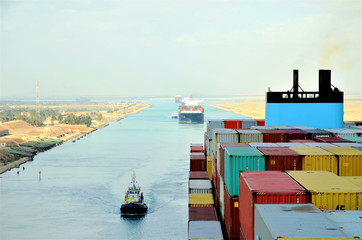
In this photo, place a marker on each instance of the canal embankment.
(14, 164)
(25, 141)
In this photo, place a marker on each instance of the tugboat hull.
(134, 209)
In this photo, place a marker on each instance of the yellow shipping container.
(201, 200)
(209, 166)
(317, 159)
(350, 160)
(356, 180)
(329, 191)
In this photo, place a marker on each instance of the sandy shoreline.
(15, 164)
(22, 132)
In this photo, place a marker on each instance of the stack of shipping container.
(309, 172)
(203, 221)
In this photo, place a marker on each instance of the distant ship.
(174, 115)
(190, 111)
(178, 99)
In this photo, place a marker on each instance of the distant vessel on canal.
(174, 115)
(191, 111)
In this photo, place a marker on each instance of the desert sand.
(21, 131)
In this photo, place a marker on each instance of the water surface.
(83, 183)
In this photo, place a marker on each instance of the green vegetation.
(10, 111)
(76, 120)
(32, 117)
(29, 149)
(29, 116)
(40, 145)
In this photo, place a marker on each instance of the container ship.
(190, 111)
(178, 99)
(257, 179)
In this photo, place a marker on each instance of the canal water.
(82, 184)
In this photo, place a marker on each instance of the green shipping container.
(241, 159)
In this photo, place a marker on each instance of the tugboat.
(134, 204)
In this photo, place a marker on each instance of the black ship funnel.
(325, 81)
(295, 83)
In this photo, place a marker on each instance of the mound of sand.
(17, 126)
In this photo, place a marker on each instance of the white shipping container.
(207, 145)
(305, 128)
(350, 222)
(357, 127)
(276, 221)
(200, 186)
(318, 144)
(221, 200)
(262, 127)
(223, 135)
(248, 123)
(347, 144)
(341, 132)
(258, 144)
(284, 127)
(249, 135)
(348, 124)
(291, 144)
(212, 124)
(217, 156)
(197, 154)
(205, 230)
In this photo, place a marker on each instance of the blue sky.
(169, 47)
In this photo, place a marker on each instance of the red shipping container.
(197, 163)
(329, 139)
(198, 175)
(273, 135)
(232, 123)
(281, 158)
(297, 134)
(202, 214)
(231, 215)
(265, 187)
(196, 149)
(222, 154)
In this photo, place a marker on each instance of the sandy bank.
(21, 132)
(14, 164)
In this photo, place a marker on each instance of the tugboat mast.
(134, 179)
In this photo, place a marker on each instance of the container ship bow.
(190, 111)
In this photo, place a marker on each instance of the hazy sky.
(169, 47)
